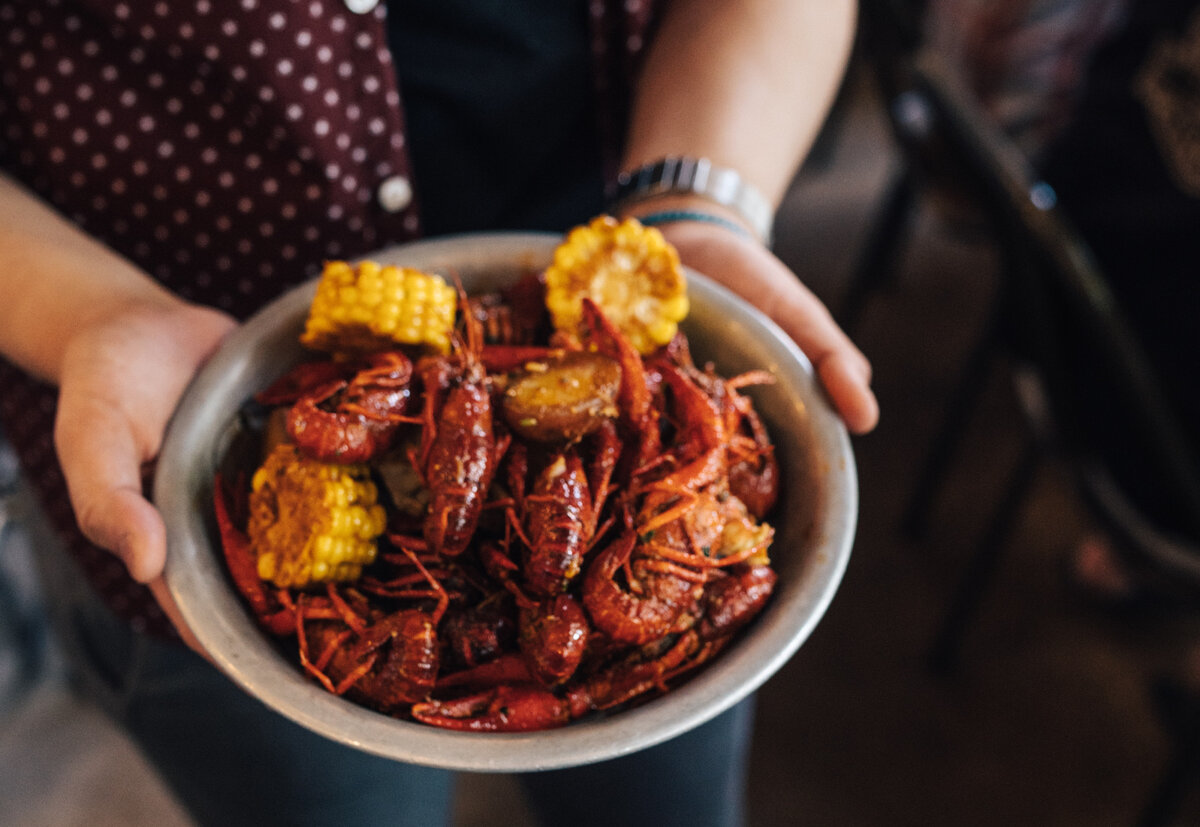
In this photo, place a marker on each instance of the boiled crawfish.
(662, 555)
(345, 413)
(272, 608)
(515, 705)
(534, 579)
(387, 661)
(557, 520)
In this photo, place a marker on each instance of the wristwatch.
(698, 176)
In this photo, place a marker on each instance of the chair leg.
(1180, 711)
(972, 382)
(977, 579)
(877, 266)
(1182, 770)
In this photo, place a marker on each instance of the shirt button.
(361, 6)
(395, 193)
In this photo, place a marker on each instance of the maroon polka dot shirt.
(227, 147)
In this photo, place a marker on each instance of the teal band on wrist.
(672, 216)
(684, 175)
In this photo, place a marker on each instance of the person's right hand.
(121, 377)
(749, 269)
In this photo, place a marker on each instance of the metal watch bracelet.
(698, 176)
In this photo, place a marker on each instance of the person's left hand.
(749, 269)
(120, 379)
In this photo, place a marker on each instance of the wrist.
(71, 290)
(173, 329)
(671, 212)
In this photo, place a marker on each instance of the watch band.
(698, 176)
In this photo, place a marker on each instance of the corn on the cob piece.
(629, 270)
(312, 522)
(369, 306)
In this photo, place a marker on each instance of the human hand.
(120, 379)
(753, 272)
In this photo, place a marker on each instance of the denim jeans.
(231, 760)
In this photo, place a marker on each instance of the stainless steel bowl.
(815, 524)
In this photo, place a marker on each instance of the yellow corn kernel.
(741, 535)
(629, 270)
(369, 306)
(312, 522)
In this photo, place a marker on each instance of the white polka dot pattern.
(227, 148)
(149, 125)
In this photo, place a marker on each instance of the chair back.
(1060, 316)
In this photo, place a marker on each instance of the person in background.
(166, 169)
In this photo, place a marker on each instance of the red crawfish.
(552, 633)
(386, 664)
(663, 555)
(459, 451)
(478, 634)
(668, 567)
(385, 660)
(753, 470)
(635, 396)
(651, 601)
(515, 703)
(557, 520)
(272, 608)
(553, 637)
(345, 412)
(519, 707)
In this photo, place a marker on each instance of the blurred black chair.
(1052, 304)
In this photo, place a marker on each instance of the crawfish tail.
(560, 525)
(627, 617)
(513, 708)
(460, 467)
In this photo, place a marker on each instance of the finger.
(755, 274)
(101, 462)
(849, 392)
(813, 327)
(842, 368)
(846, 374)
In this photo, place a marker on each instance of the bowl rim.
(220, 622)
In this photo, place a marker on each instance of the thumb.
(122, 520)
(102, 466)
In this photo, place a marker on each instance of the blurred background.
(1047, 708)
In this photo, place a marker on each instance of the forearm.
(748, 84)
(56, 280)
(744, 83)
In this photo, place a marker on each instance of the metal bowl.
(815, 523)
